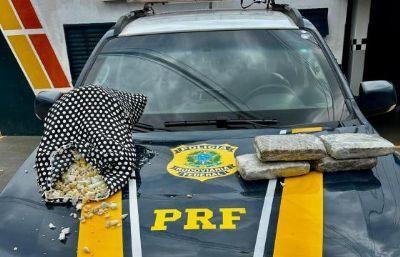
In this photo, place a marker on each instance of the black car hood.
(360, 209)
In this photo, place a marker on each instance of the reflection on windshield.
(260, 74)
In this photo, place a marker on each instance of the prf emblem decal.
(203, 161)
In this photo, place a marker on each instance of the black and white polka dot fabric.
(97, 122)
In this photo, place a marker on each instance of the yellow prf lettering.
(163, 216)
(194, 218)
(228, 217)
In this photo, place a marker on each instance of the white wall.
(359, 30)
(55, 13)
(336, 20)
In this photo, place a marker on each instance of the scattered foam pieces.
(61, 236)
(88, 215)
(52, 226)
(86, 249)
(102, 209)
(113, 206)
(111, 223)
(100, 212)
(79, 206)
(66, 230)
(81, 181)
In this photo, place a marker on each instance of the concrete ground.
(13, 152)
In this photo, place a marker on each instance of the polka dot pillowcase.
(96, 122)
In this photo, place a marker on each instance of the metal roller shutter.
(319, 18)
(81, 39)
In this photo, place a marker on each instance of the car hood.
(339, 214)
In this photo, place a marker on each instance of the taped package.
(328, 164)
(251, 168)
(298, 147)
(356, 146)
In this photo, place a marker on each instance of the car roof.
(209, 20)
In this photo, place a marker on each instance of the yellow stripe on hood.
(102, 241)
(300, 224)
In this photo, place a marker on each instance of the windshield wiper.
(143, 127)
(221, 123)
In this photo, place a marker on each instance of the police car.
(215, 79)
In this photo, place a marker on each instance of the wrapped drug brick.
(356, 146)
(298, 147)
(329, 164)
(251, 168)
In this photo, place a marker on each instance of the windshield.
(248, 74)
